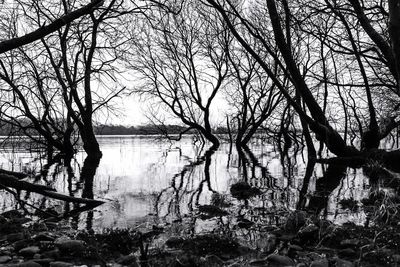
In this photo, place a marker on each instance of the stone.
(308, 232)
(262, 262)
(43, 237)
(43, 261)
(70, 246)
(29, 264)
(60, 264)
(280, 260)
(295, 247)
(54, 254)
(268, 243)
(29, 251)
(5, 259)
(212, 260)
(320, 263)
(11, 214)
(20, 244)
(343, 263)
(15, 237)
(126, 260)
(350, 243)
(295, 221)
(347, 252)
(396, 258)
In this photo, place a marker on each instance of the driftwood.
(7, 180)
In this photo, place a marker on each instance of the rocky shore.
(300, 241)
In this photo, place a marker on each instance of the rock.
(43, 261)
(6, 251)
(39, 226)
(295, 221)
(268, 243)
(243, 190)
(350, 243)
(295, 247)
(29, 251)
(212, 260)
(244, 223)
(396, 258)
(174, 242)
(314, 256)
(60, 264)
(12, 214)
(280, 260)
(43, 237)
(54, 254)
(29, 264)
(15, 237)
(51, 225)
(347, 252)
(5, 259)
(308, 233)
(70, 246)
(320, 263)
(262, 262)
(20, 244)
(343, 263)
(126, 260)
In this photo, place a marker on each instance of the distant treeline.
(136, 130)
(145, 130)
(6, 129)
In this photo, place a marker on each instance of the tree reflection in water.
(139, 177)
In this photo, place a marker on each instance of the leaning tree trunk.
(394, 31)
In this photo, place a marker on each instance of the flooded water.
(145, 181)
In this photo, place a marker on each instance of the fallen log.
(11, 181)
(19, 175)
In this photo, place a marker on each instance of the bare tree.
(75, 72)
(182, 59)
(282, 18)
(53, 26)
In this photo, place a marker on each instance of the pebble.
(43, 237)
(4, 259)
(347, 252)
(350, 243)
(60, 264)
(308, 232)
(126, 260)
(343, 263)
(15, 237)
(396, 258)
(280, 260)
(29, 251)
(29, 264)
(70, 246)
(262, 262)
(55, 254)
(320, 263)
(20, 244)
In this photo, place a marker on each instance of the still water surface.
(146, 181)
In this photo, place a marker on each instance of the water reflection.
(145, 182)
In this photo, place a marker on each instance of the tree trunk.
(394, 31)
